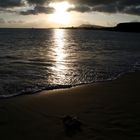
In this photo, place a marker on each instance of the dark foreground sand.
(108, 111)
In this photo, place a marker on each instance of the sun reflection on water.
(59, 56)
(59, 45)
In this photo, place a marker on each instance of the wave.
(38, 88)
(9, 57)
(34, 89)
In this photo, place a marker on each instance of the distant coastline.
(121, 27)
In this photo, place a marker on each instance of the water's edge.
(57, 87)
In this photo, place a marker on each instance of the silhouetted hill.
(121, 27)
(90, 26)
(128, 27)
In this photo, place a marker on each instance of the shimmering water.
(32, 60)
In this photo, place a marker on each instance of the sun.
(60, 16)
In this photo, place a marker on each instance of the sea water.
(32, 60)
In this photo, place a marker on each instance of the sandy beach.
(107, 110)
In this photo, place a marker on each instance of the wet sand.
(107, 110)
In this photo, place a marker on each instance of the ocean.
(32, 60)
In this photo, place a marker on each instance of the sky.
(63, 13)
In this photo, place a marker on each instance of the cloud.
(119, 7)
(15, 21)
(7, 10)
(2, 21)
(132, 10)
(129, 2)
(37, 2)
(91, 2)
(19, 3)
(109, 6)
(11, 3)
(38, 10)
(106, 2)
(81, 9)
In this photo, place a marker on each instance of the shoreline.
(108, 110)
(63, 87)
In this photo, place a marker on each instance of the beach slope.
(107, 111)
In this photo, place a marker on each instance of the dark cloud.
(129, 2)
(81, 9)
(109, 6)
(91, 2)
(38, 10)
(19, 3)
(37, 2)
(105, 8)
(118, 8)
(105, 2)
(132, 10)
(11, 3)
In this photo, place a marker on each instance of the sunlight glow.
(59, 41)
(59, 55)
(61, 16)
